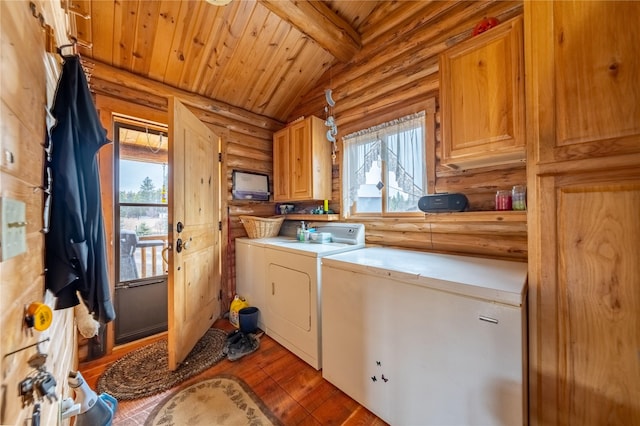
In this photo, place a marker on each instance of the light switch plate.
(13, 233)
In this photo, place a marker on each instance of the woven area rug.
(145, 371)
(221, 400)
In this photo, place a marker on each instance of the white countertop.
(494, 280)
(294, 246)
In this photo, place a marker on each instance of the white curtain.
(400, 143)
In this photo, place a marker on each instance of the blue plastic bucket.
(248, 318)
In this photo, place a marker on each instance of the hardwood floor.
(294, 391)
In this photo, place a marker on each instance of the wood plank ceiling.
(261, 56)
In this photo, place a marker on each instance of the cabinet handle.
(273, 288)
(488, 319)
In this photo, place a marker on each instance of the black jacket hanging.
(76, 258)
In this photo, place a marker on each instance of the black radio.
(438, 203)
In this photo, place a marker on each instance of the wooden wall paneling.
(21, 144)
(269, 81)
(22, 91)
(141, 50)
(25, 83)
(118, 28)
(235, 24)
(183, 36)
(102, 27)
(273, 87)
(202, 37)
(267, 48)
(22, 275)
(81, 27)
(162, 43)
(243, 65)
(302, 64)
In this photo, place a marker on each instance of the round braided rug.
(145, 371)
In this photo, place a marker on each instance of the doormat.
(145, 371)
(221, 400)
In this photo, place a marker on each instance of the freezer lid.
(490, 279)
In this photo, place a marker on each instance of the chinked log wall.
(395, 74)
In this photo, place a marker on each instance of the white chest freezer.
(426, 339)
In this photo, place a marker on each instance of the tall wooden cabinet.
(583, 176)
(482, 99)
(302, 162)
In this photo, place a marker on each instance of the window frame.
(429, 108)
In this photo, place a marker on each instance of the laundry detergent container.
(248, 318)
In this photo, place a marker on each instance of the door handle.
(182, 245)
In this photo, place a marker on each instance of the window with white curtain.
(385, 169)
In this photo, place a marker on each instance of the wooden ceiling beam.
(321, 24)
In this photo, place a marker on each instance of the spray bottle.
(91, 409)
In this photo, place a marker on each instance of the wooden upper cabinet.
(587, 81)
(482, 99)
(302, 162)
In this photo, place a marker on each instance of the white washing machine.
(292, 293)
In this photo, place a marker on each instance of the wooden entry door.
(194, 258)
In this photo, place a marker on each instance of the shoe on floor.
(245, 345)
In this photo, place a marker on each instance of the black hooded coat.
(76, 258)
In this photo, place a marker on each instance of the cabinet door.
(586, 300)
(357, 324)
(586, 83)
(281, 165)
(482, 98)
(300, 157)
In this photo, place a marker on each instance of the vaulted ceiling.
(261, 56)
(269, 57)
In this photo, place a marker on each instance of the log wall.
(395, 74)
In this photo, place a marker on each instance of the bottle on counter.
(300, 232)
(503, 200)
(519, 197)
